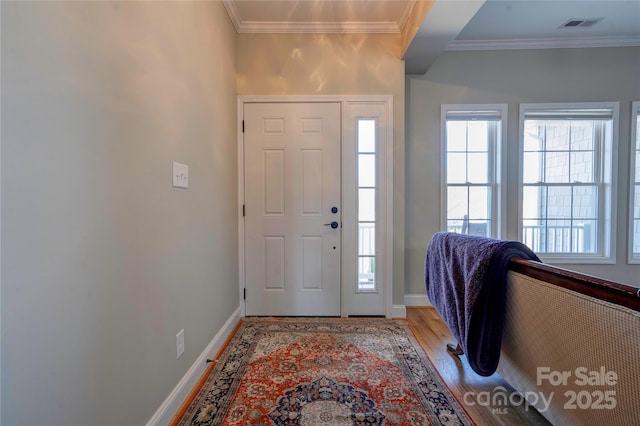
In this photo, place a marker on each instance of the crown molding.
(311, 27)
(232, 11)
(406, 15)
(319, 27)
(546, 43)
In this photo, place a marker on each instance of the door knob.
(334, 210)
(333, 224)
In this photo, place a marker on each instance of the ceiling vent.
(580, 23)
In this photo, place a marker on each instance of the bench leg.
(454, 349)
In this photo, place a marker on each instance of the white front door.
(292, 208)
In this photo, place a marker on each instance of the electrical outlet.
(180, 343)
(180, 175)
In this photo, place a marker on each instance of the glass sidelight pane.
(366, 136)
(367, 170)
(366, 273)
(366, 204)
(367, 239)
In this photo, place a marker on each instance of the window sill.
(634, 260)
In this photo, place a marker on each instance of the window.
(366, 178)
(367, 206)
(472, 136)
(634, 249)
(568, 194)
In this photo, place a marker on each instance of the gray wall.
(511, 77)
(103, 262)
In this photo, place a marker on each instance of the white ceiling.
(509, 21)
(450, 24)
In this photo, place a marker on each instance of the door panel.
(292, 182)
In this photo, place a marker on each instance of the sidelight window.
(366, 176)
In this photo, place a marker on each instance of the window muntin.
(472, 136)
(634, 249)
(567, 181)
(366, 183)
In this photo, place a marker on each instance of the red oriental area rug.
(324, 372)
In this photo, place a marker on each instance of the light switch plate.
(180, 175)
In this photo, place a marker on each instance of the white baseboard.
(170, 406)
(416, 300)
(398, 311)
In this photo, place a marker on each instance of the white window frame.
(607, 208)
(634, 141)
(497, 164)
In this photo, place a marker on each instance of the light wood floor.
(433, 335)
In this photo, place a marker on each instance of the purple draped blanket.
(465, 277)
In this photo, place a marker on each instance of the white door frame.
(386, 188)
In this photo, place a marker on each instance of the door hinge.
(243, 211)
(244, 294)
(242, 126)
